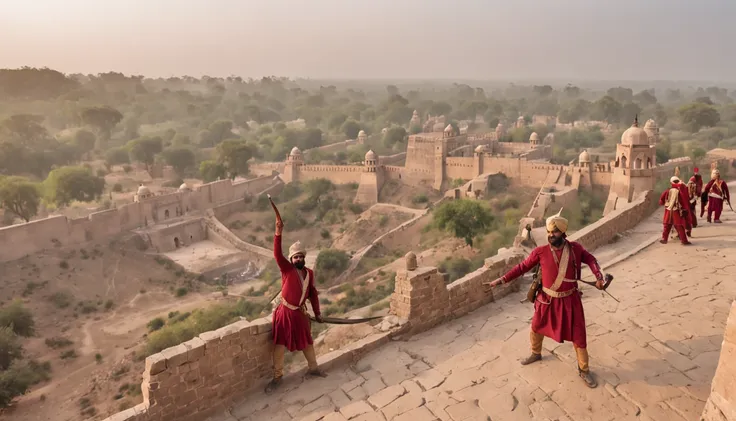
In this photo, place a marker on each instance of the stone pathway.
(654, 354)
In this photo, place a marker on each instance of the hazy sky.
(474, 39)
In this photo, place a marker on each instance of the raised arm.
(278, 254)
(592, 263)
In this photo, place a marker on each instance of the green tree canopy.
(19, 196)
(233, 155)
(697, 115)
(466, 219)
(179, 157)
(117, 156)
(66, 184)
(144, 149)
(211, 171)
(103, 118)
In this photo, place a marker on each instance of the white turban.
(674, 180)
(295, 249)
(557, 221)
(714, 173)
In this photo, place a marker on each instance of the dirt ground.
(68, 291)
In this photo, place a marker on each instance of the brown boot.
(272, 385)
(316, 373)
(587, 378)
(531, 359)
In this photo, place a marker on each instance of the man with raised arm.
(717, 192)
(291, 324)
(558, 309)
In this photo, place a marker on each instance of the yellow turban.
(557, 221)
(295, 249)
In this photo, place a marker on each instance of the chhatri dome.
(584, 157)
(370, 155)
(449, 129)
(481, 148)
(184, 187)
(534, 137)
(295, 151)
(635, 135)
(143, 190)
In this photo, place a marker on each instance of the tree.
(466, 219)
(696, 154)
(67, 184)
(330, 264)
(234, 156)
(394, 135)
(26, 129)
(84, 140)
(211, 171)
(181, 158)
(144, 149)
(117, 156)
(607, 109)
(19, 196)
(103, 118)
(351, 128)
(697, 115)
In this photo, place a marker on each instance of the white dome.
(449, 128)
(361, 133)
(143, 190)
(521, 118)
(635, 136)
(499, 126)
(184, 187)
(370, 155)
(584, 157)
(534, 137)
(650, 124)
(295, 151)
(481, 148)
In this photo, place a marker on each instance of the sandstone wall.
(420, 152)
(338, 174)
(396, 159)
(424, 300)
(178, 235)
(460, 167)
(19, 240)
(219, 234)
(223, 211)
(619, 220)
(721, 404)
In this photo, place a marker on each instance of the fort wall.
(721, 404)
(338, 174)
(20, 240)
(177, 235)
(460, 167)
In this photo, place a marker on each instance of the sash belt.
(289, 306)
(555, 294)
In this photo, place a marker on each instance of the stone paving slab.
(654, 353)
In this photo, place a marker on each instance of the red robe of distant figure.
(675, 203)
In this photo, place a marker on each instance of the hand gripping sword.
(608, 279)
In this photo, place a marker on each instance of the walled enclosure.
(187, 382)
(17, 241)
(721, 404)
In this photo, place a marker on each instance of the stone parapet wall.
(422, 297)
(721, 404)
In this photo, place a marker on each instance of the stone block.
(402, 405)
(211, 339)
(386, 396)
(155, 364)
(355, 409)
(175, 356)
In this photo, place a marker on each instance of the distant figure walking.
(676, 207)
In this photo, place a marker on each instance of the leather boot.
(587, 378)
(531, 359)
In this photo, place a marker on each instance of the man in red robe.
(558, 309)
(675, 202)
(686, 212)
(692, 191)
(717, 192)
(291, 325)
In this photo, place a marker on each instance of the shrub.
(330, 263)
(109, 304)
(325, 234)
(98, 358)
(61, 299)
(355, 208)
(10, 349)
(117, 188)
(57, 342)
(420, 198)
(18, 318)
(16, 380)
(68, 354)
(64, 264)
(155, 324)
(181, 291)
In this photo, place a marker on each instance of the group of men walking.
(680, 201)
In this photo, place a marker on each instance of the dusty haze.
(474, 39)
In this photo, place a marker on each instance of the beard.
(555, 241)
(299, 265)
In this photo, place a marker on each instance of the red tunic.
(698, 184)
(292, 328)
(674, 217)
(718, 188)
(561, 319)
